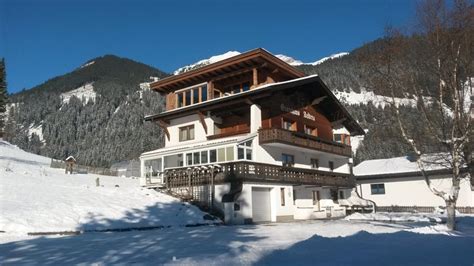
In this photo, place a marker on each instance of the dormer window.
(191, 95)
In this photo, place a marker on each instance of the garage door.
(261, 208)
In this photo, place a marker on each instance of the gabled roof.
(405, 166)
(255, 58)
(312, 85)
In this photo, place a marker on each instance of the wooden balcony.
(277, 135)
(245, 171)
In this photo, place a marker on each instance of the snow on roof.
(398, 165)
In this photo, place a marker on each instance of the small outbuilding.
(398, 183)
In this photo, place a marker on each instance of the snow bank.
(395, 217)
(85, 92)
(37, 198)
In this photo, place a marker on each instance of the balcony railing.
(277, 135)
(247, 171)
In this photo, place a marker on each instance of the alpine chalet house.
(252, 138)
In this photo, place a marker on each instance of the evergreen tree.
(3, 95)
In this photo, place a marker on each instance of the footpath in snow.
(37, 198)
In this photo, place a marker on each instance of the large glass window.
(377, 189)
(196, 158)
(189, 159)
(204, 157)
(191, 96)
(229, 153)
(153, 167)
(175, 160)
(180, 100)
(221, 155)
(212, 156)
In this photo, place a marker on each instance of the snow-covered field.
(336, 242)
(37, 198)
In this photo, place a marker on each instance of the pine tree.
(3, 95)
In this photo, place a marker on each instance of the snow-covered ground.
(37, 198)
(333, 242)
(85, 92)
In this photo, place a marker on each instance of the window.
(189, 159)
(310, 130)
(316, 199)
(282, 196)
(191, 96)
(289, 125)
(287, 160)
(196, 158)
(377, 189)
(212, 156)
(174, 160)
(237, 88)
(180, 100)
(341, 194)
(331, 165)
(196, 95)
(204, 157)
(244, 151)
(294, 197)
(314, 163)
(186, 133)
(229, 151)
(221, 155)
(342, 138)
(334, 195)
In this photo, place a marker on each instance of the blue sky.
(44, 39)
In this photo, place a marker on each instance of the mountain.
(205, 62)
(94, 112)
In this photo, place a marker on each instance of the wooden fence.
(82, 169)
(422, 209)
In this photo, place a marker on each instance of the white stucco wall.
(301, 208)
(272, 154)
(413, 191)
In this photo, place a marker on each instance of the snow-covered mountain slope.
(204, 62)
(37, 198)
(85, 92)
(289, 60)
(333, 56)
(364, 97)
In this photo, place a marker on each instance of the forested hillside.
(99, 123)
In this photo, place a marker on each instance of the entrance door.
(261, 206)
